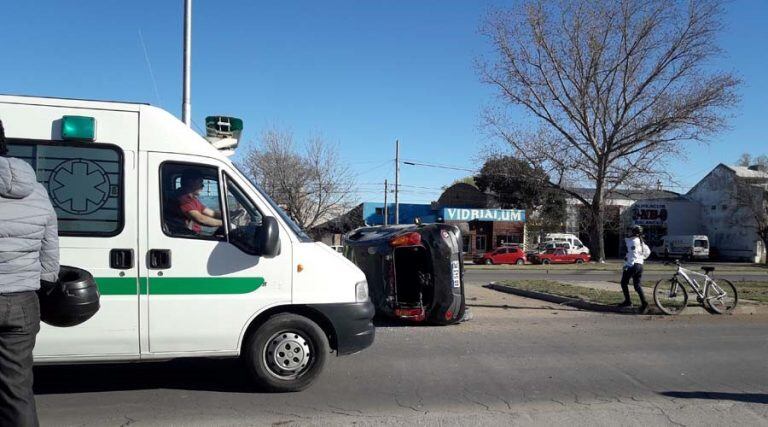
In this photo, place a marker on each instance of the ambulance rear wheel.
(287, 353)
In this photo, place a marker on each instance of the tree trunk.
(598, 223)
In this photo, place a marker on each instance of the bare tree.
(614, 87)
(751, 195)
(746, 159)
(312, 186)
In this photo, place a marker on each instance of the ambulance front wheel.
(286, 353)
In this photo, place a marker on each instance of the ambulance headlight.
(361, 291)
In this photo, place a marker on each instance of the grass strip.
(755, 291)
(616, 266)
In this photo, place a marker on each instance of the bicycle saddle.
(708, 269)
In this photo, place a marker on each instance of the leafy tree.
(518, 185)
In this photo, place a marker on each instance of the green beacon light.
(78, 128)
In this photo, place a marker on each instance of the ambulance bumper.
(353, 323)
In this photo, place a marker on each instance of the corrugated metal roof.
(745, 172)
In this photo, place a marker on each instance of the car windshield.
(701, 243)
(288, 220)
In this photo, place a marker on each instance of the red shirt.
(187, 203)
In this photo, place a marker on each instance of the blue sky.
(361, 74)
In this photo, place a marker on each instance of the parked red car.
(502, 255)
(559, 256)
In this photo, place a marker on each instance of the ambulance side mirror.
(267, 238)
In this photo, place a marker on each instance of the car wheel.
(579, 261)
(488, 261)
(286, 353)
(545, 261)
(520, 261)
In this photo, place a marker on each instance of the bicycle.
(718, 297)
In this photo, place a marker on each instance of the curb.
(557, 299)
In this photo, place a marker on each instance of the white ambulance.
(256, 286)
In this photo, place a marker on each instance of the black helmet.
(637, 230)
(70, 301)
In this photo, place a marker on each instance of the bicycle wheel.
(722, 296)
(670, 296)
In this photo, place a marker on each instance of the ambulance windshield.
(284, 215)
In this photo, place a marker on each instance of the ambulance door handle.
(159, 259)
(121, 259)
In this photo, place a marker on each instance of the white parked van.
(255, 287)
(576, 247)
(694, 246)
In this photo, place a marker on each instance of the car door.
(205, 283)
(503, 256)
(559, 256)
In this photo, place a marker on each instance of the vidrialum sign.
(496, 215)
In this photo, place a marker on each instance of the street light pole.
(185, 104)
(386, 210)
(397, 181)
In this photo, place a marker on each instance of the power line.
(438, 166)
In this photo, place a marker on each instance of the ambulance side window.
(189, 187)
(243, 218)
(84, 182)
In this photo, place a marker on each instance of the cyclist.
(637, 252)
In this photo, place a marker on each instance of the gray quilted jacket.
(29, 242)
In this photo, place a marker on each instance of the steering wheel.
(235, 217)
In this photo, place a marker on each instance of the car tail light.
(415, 314)
(407, 239)
(449, 315)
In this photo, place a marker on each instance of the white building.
(725, 217)
(714, 207)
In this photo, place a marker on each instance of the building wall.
(728, 226)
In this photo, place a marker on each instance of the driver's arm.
(204, 219)
(211, 213)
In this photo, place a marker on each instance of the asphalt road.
(495, 275)
(518, 361)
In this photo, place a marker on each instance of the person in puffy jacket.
(29, 252)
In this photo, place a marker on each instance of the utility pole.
(386, 210)
(397, 181)
(185, 105)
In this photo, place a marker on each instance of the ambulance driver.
(194, 211)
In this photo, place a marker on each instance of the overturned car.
(414, 272)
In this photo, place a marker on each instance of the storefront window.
(509, 239)
(480, 244)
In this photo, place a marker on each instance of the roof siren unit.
(223, 133)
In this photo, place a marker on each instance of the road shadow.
(738, 397)
(386, 322)
(222, 375)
